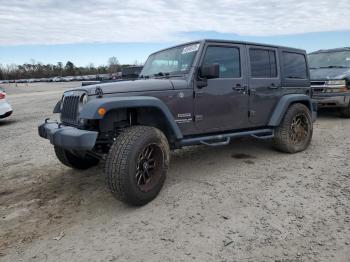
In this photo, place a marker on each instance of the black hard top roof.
(331, 50)
(234, 42)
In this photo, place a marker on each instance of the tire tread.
(116, 166)
(281, 139)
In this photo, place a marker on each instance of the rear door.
(264, 83)
(223, 103)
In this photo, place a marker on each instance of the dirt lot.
(242, 202)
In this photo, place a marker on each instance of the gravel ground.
(242, 202)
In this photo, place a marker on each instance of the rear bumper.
(68, 137)
(332, 100)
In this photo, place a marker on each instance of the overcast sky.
(32, 23)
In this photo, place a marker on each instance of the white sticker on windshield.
(190, 49)
(347, 59)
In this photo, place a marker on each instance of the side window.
(262, 63)
(294, 66)
(227, 57)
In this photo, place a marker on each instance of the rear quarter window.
(294, 66)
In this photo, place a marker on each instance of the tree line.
(40, 70)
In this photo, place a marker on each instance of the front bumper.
(332, 100)
(68, 137)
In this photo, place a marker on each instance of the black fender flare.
(90, 109)
(284, 103)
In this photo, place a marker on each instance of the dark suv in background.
(205, 92)
(330, 78)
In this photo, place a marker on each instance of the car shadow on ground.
(7, 122)
(328, 113)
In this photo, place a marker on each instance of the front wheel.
(295, 131)
(137, 164)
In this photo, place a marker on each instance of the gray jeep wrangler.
(205, 92)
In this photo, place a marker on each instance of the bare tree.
(113, 65)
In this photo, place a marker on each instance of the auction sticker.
(190, 49)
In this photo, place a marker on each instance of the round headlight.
(84, 99)
(62, 100)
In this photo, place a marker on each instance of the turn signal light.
(344, 89)
(101, 111)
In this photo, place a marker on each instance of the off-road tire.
(283, 139)
(123, 165)
(345, 112)
(73, 161)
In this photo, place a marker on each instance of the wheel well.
(304, 102)
(147, 116)
(282, 108)
(150, 116)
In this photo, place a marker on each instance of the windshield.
(173, 61)
(330, 60)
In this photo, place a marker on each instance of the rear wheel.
(295, 131)
(137, 164)
(69, 159)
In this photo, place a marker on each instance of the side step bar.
(224, 139)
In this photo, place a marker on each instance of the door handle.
(273, 86)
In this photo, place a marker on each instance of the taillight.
(2, 95)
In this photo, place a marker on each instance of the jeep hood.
(131, 86)
(329, 73)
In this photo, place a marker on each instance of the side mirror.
(210, 71)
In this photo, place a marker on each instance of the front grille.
(69, 112)
(318, 90)
(318, 86)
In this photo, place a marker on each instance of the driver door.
(222, 104)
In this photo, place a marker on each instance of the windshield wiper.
(161, 75)
(167, 75)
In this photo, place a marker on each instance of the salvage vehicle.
(5, 107)
(330, 78)
(199, 93)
